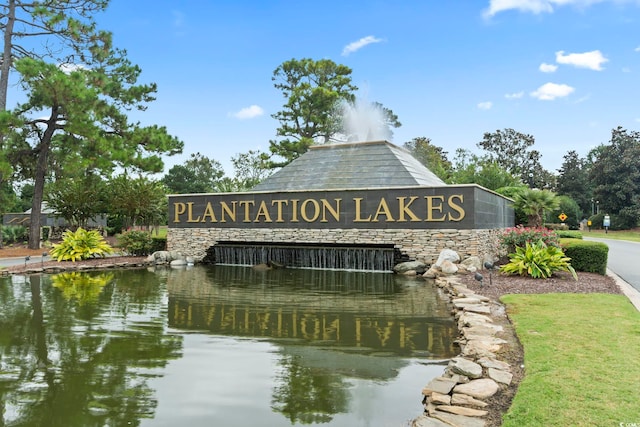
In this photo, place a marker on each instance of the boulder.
(447, 255)
(479, 389)
(403, 267)
(465, 367)
(448, 267)
(472, 264)
(164, 257)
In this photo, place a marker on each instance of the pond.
(219, 345)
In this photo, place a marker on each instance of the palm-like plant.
(534, 203)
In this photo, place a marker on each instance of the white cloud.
(537, 6)
(248, 112)
(533, 6)
(515, 95)
(69, 68)
(637, 49)
(547, 68)
(592, 60)
(486, 105)
(357, 45)
(583, 99)
(551, 91)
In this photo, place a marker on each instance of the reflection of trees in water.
(308, 395)
(78, 362)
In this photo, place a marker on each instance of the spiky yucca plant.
(80, 244)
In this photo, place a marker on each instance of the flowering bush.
(519, 236)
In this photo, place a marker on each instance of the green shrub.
(14, 233)
(569, 234)
(79, 245)
(587, 256)
(514, 237)
(557, 227)
(136, 242)
(158, 243)
(538, 261)
(596, 221)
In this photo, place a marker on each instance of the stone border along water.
(457, 397)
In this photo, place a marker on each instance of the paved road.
(8, 262)
(624, 259)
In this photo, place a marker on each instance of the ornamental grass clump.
(518, 236)
(538, 261)
(80, 244)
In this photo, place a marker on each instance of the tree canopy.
(470, 168)
(312, 91)
(430, 155)
(573, 181)
(615, 175)
(513, 152)
(79, 115)
(199, 174)
(66, 27)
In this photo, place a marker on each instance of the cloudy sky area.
(564, 71)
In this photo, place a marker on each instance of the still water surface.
(218, 346)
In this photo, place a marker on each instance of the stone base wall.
(419, 245)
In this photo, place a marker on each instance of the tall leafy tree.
(313, 91)
(250, 169)
(615, 174)
(137, 201)
(573, 180)
(513, 151)
(78, 199)
(83, 108)
(470, 168)
(430, 155)
(199, 174)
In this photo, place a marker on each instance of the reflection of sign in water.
(378, 333)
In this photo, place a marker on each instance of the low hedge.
(569, 234)
(587, 256)
(158, 243)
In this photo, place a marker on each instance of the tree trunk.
(38, 185)
(5, 66)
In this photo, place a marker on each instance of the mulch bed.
(496, 284)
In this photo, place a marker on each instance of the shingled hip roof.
(376, 164)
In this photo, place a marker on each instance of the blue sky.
(564, 71)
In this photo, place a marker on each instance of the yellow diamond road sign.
(562, 216)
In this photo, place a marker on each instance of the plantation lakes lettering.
(322, 209)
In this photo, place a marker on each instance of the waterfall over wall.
(318, 256)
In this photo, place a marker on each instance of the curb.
(628, 290)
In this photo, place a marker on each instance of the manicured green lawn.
(582, 360)
(632, 235)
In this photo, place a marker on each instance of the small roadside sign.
(562, 217)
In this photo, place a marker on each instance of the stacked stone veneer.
(424, 245)
(458, 397)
